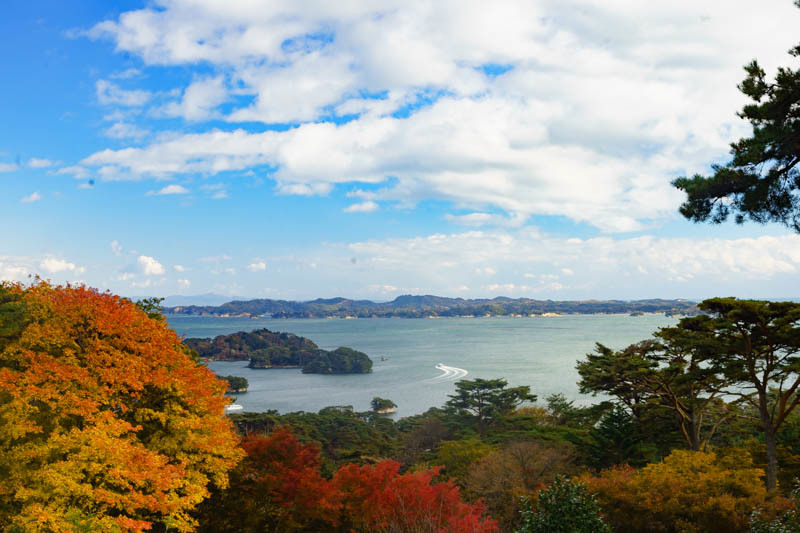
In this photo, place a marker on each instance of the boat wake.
(449, 373)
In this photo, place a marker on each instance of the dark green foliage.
(665, 377)
(268, 349)
(343, 434)
(762, 180)
(243, 345)
(340, 361)
(757, 349)
(616, 374)
(616, 440)
(486, 401)
(379, 404)
(563, 411)
(563, 507)
(153, 308)
(13, 315)
(236, 383)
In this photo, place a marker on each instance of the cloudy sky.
(369, 149)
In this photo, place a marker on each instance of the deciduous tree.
(277, 488)
(377, 499)
(687, 492)
(106, 423)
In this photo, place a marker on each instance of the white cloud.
(257, 266)
(199, 100)
(126, 74)
(77, 171)
(184, 283)
(33, 197)
(601, 106)
(180, 268)
(169, 189)
(500, 288)
(149, 266)
(596, 267)
(53, 266)
(10, 272)
(385, 290)
(124, 130)
(116, 248)
(36, 162)
(109, 93)
(364, 207)
(8, 167)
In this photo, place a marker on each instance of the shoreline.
(427, 317)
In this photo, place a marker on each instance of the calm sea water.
(540, 352)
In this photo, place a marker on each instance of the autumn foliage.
(688, 492)
(377, 498)
(106, 422)
(279, 488)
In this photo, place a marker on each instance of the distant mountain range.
(409, 306)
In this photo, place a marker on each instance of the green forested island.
(410, 306)
(269, 349)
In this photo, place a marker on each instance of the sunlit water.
(425, 357)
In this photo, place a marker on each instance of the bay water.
(425, 357)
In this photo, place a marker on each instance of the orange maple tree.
(106, 422)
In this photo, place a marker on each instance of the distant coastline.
(427, 306)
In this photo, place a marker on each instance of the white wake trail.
(450, 373)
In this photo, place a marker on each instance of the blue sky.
(300, 149)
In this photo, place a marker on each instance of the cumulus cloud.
(12, 272)
(169, 189)
(363, 207)
(573, 109)
(33, 197)
(180, 268)
(124, 130)
(109, 93)
(76, 171)
(149, 266)
(199, 100)
(116, 248)
(8, 167)
(54, 266)
(184, 283)
(257, 266)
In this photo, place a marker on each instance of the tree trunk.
(771, 440)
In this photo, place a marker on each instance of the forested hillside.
(432, 306)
